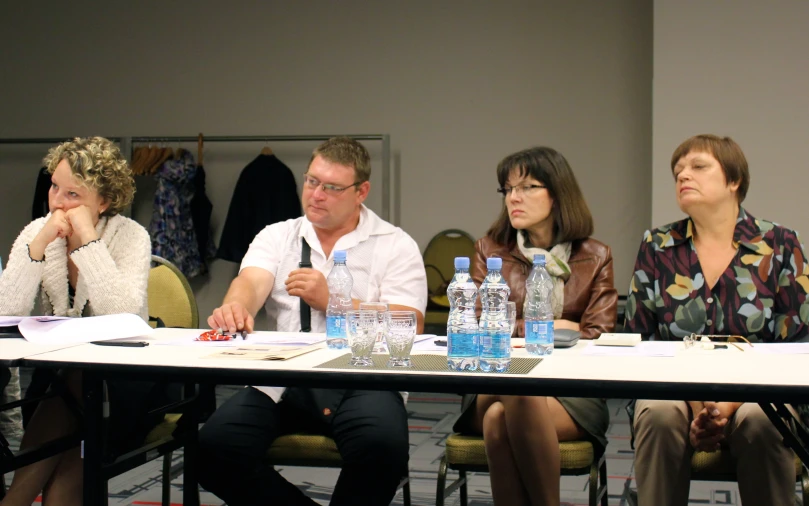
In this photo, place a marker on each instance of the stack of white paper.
(50, 330)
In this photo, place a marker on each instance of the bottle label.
(463, 344)
(335, 326)
(539, 332)
(495, 344)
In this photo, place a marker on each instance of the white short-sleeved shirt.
(384, 262)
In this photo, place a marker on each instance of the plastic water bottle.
(495, 330)
(538, 311)
(340, 283)
(463, 347)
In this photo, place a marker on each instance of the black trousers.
(369, 428)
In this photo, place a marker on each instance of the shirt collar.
(369, 224)
(748, 232)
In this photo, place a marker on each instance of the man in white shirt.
(369, 427)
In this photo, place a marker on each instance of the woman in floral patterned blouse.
(720, 271)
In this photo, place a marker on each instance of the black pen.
(440, 342)
(128, 344)
(233, 335)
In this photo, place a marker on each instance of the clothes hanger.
(137, 153)
(266, 150)
(178, 153)
(148, 160)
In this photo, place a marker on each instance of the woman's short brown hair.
(98, 164)
(571, 216)
(727, 153)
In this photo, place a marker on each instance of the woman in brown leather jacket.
(543, 212)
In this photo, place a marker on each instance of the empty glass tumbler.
(400, 334)
(361, 331)
(381, 308)
(511, 314)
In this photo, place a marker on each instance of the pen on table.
(128, 344)
(239, 333)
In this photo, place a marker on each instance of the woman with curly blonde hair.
(82, 259)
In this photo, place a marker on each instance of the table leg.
(95, 486)
(190, 451)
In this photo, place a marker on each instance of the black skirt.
(130, 402)
(590, 414)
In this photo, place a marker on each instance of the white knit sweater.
(113, 273)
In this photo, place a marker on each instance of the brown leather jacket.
(590, 296)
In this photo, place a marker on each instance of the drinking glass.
(381, 308)
(361, 333)
(400, 334)
(511, 314)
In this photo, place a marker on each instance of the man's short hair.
(346, 151)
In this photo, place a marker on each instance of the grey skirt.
(589, 414)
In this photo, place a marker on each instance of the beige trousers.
(765, 466)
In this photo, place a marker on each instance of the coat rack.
(383, 138)
(126, 144)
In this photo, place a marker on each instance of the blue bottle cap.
(339, 255)
(494, 263)
(539, 259)
(461, 262)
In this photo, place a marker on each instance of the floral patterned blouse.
(762, 295)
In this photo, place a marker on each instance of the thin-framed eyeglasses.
(328, 188)
(695, 339)
(523, 189)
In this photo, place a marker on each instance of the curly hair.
(99, 165)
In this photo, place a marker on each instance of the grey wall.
(737, 68)
(457, 84)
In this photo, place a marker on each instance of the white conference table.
(696, 374)
(14, 349)
(771, 380)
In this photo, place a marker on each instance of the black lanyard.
(306, 311)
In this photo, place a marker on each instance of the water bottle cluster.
(486, 345)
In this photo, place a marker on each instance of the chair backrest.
(170, 296)
(621, 316)
(439, 259)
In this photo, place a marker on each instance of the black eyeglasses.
(328, 189)
(525, 189)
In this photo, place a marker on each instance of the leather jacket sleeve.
(602, 310)
(478, 269)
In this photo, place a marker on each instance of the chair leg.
(464, 498)
(605, 495)
(166, 493)
(441, 481)
(406, 493)
(805, 486)
(592, 484)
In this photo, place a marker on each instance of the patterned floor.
(431, 417)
